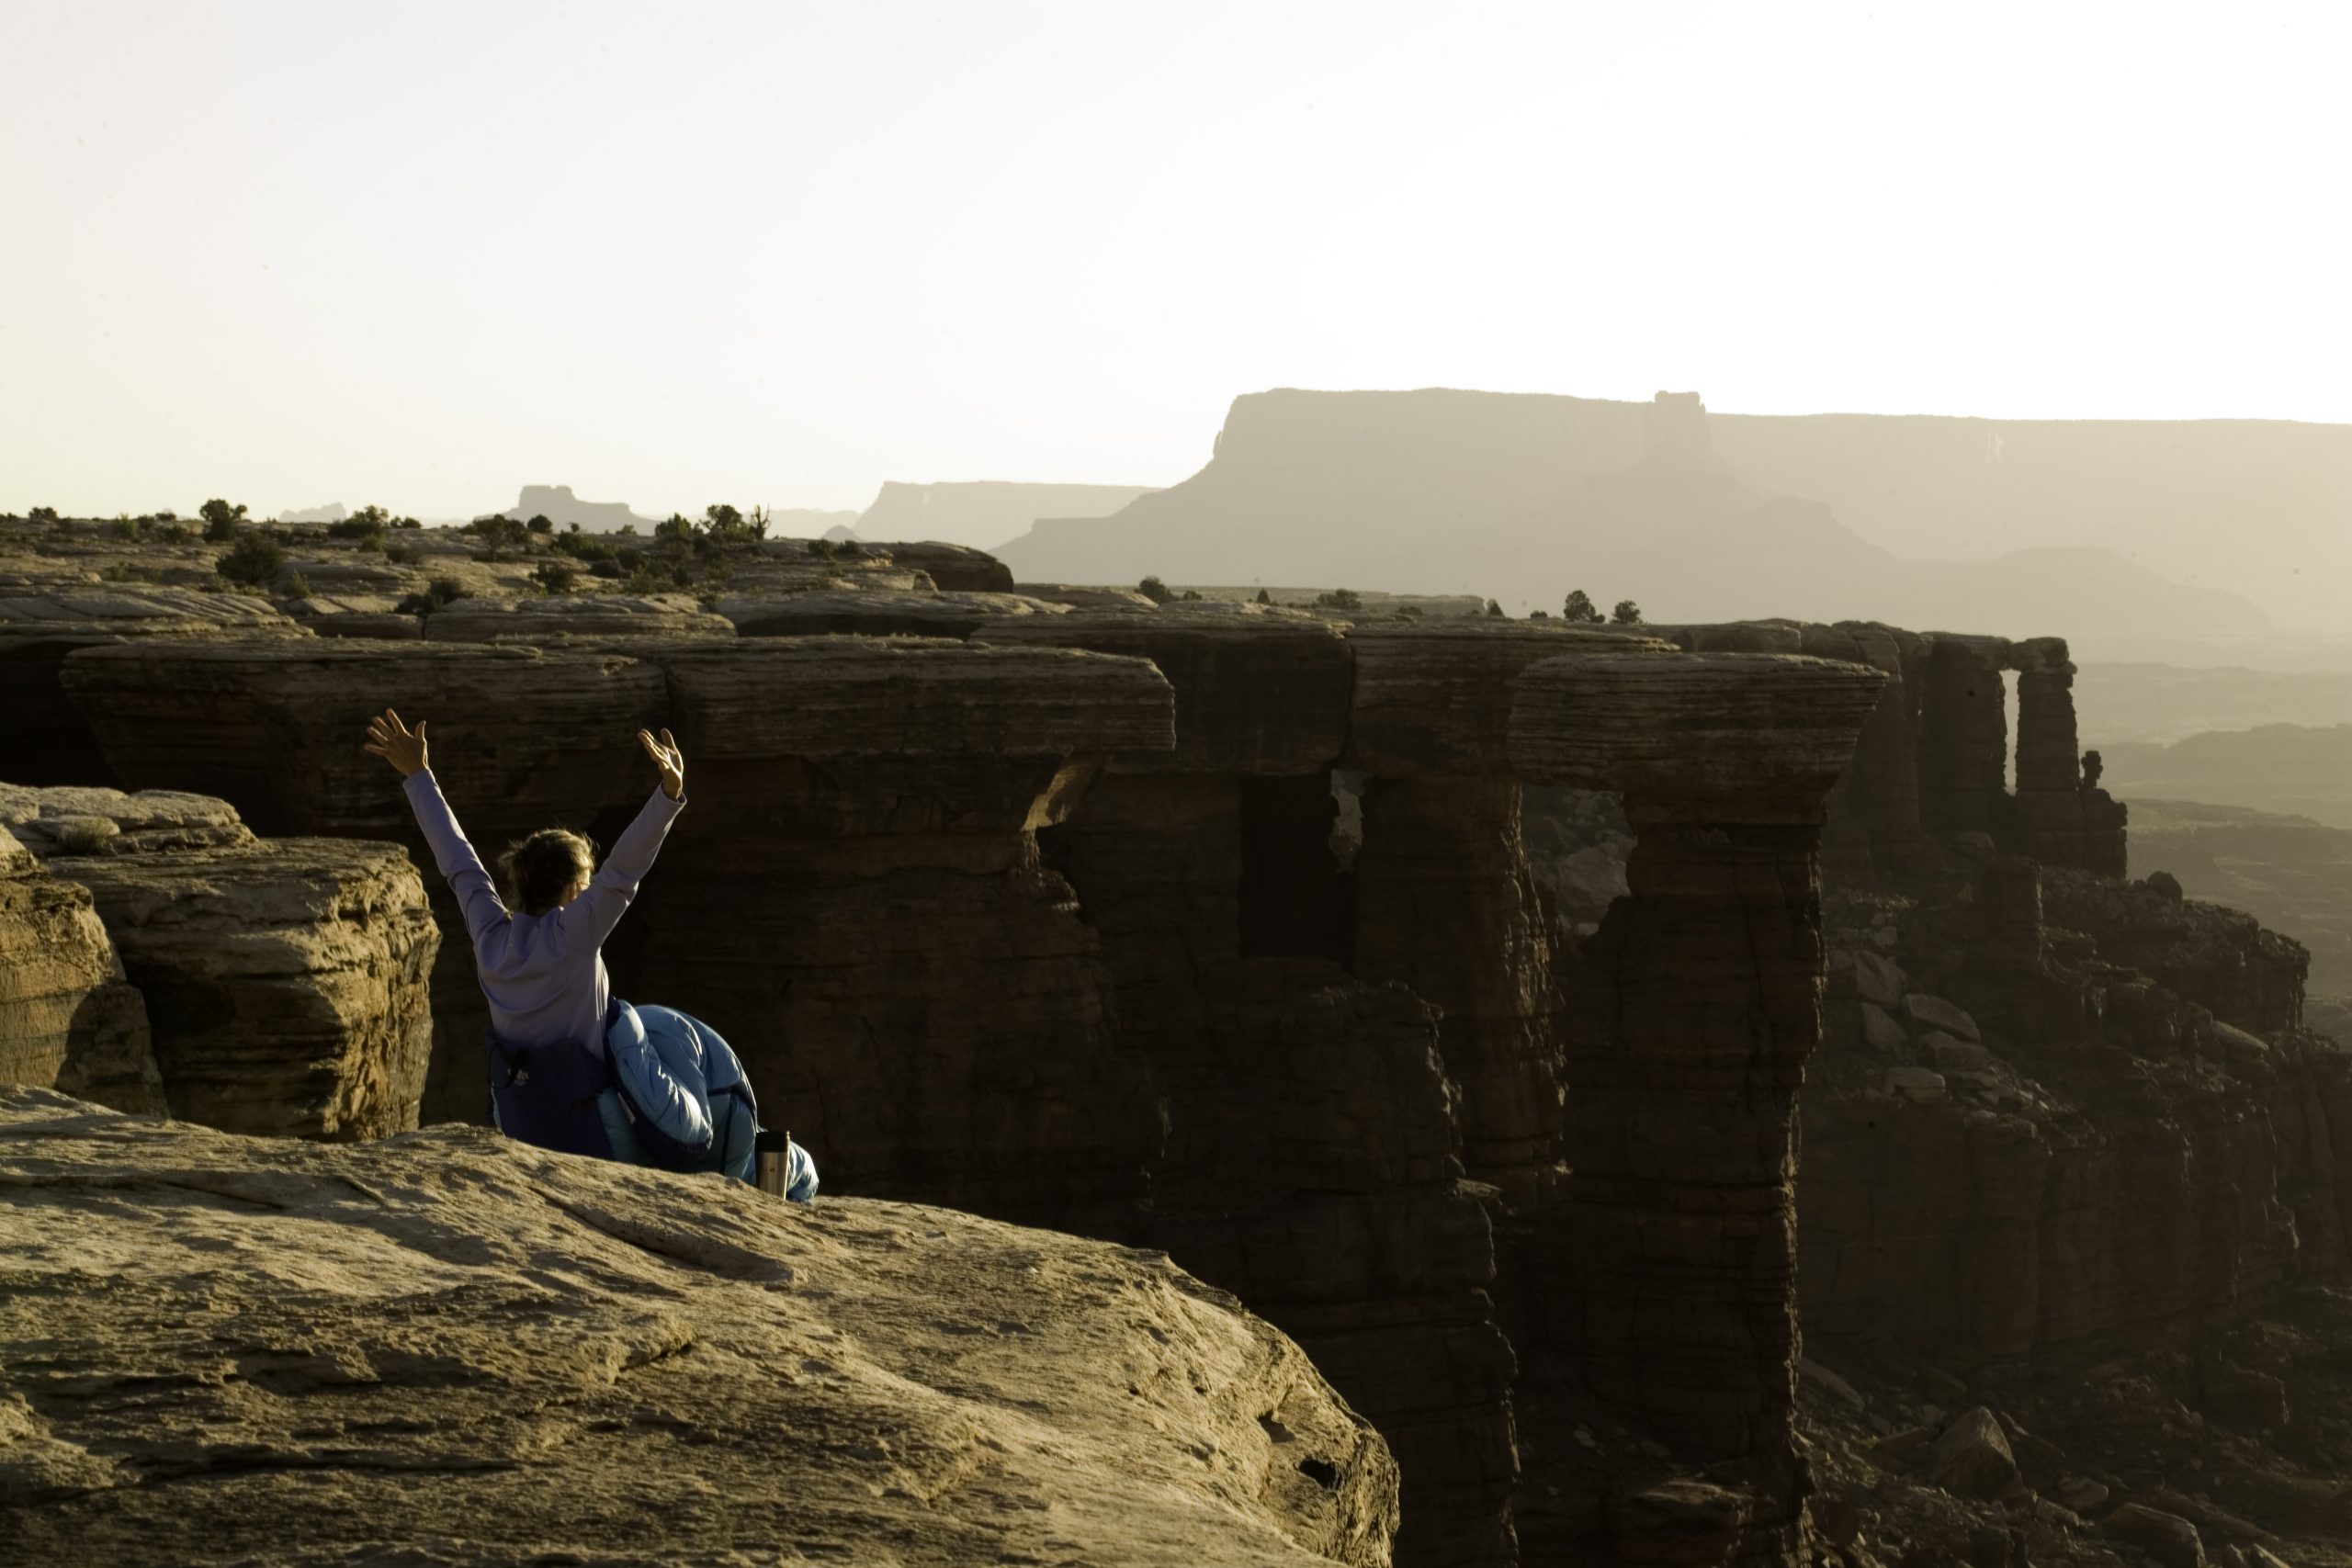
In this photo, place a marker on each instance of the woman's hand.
(666, 756)
(389, 739)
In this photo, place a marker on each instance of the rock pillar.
(2050, 821)
(1312, 1159)
(1695, 1009)
(1963, 738)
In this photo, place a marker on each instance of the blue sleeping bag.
(668, 1092)
(679, 1098)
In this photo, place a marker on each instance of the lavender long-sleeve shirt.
(544, 974)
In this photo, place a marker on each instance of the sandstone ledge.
(449, 1348)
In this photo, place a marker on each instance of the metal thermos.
(775, 1150)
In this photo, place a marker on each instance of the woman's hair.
(536, 870)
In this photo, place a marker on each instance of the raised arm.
(477, 895)
(591, 917)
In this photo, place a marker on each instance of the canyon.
(1575, 1041)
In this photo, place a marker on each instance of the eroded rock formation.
(276, 987)
(458, 1347)
(68, 1019)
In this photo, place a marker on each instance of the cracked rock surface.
(448, 1348)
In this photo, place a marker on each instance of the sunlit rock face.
(278, 986)
(287, 1337)
(68, 1019)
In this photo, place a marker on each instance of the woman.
(543, 968)
(573, 1068)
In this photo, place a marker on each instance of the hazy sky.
(421, 254)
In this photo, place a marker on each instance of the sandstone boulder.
(1681, 1523)
(1973, 1459)
(68, 1019)
(1879, 979)
(453, 1348)
(1880, 1031)
(1947, 1054)
(2172, 1540)
(287, 980)
(1920, 1084)
(1934, 1013)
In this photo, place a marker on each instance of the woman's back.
(542, 973)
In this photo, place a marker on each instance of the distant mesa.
(332, 511)
(983, 513)
(1530, 495)
(560, 506)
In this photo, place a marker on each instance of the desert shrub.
(1340, 599)
(119, 572)
(586, 547)
(554, 577)
(1154, 590)
(1495, 609)
(406, 523)
(43, 515)
(499, 534)
(298, 587)
(369, 526)
(220, 519)
(1410, 612)
(540, 523)
(821, 549)
(1579, 610)
(254, 559)
(1538, 615)
(439, 591)
(606, 566)
(125, 527)
(172, 533)
(1626, 614)
(401, 555)
(167, 516)
(644, 578)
